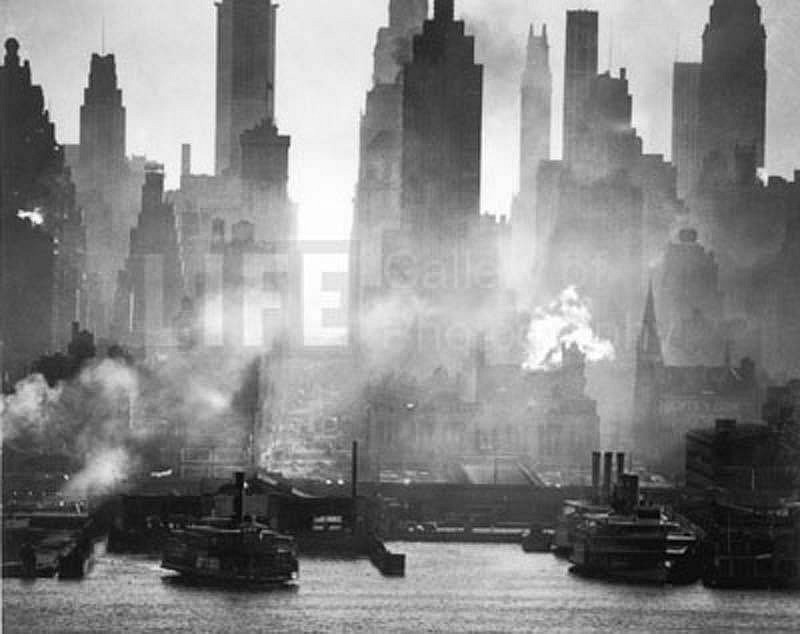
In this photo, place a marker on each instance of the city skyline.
(323, 173)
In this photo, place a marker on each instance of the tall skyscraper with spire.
(442, 119)
(649, 366)
(246, 31)
(580, 69)
(733, 88)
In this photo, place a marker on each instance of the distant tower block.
(733, 84)
(535, 110)
(186, 159)
(580, 68)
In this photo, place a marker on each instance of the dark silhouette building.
(41, 230)
(733, 86)
(102, 131)
(442, 122)
(246, 32)
(580, 69)
(748, 460)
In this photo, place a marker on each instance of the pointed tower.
(648, 348)
(536, 95)
(535, 111)
(649, 370)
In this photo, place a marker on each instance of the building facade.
(670, 401)
(42, 250)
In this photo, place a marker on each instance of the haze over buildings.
(470, 334)
(312, 31)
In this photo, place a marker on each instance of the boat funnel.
(354, 471)
(238, 498)
(596, 474)
(620, 466)
(608, 467)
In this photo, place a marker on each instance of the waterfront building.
(669, 400)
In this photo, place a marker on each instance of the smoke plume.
(565, 321)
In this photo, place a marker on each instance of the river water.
(447, 588)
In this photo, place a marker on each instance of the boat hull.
(196, 575)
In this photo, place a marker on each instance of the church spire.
(649, 346)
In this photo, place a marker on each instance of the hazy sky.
(165, 52)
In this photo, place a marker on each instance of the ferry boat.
(231, 550)
(635, 543)
(573, 515)
(628, 548)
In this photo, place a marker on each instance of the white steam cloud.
(564, 322)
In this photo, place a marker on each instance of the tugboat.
(231, 551)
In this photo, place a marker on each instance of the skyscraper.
(245, 74)
(733, 86)
(580, 68)
(102, 134)
(535, 110)
(442, 117)
(378, 203)
(686, 124)
(151, 287)
(108, 188)
(536, 94)
(41, 254)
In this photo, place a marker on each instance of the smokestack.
(238, 499)
(608, 466)
(620, 466)
(596, 474)
(186, 159)
(444, 10)
(354, 472)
